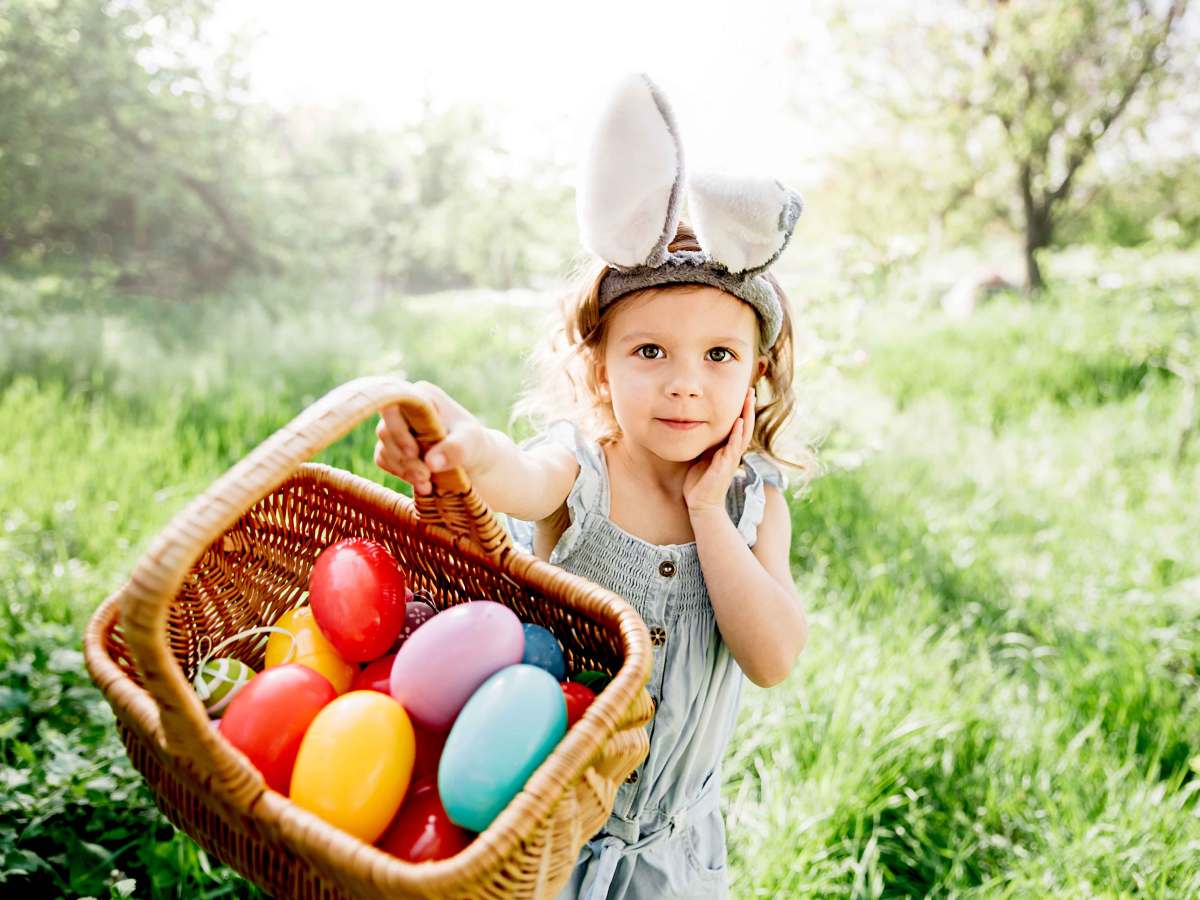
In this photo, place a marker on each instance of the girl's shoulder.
(747, 497)
(761, 467)
(588, 494)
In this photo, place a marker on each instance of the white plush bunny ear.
(631, 181)
(743, 223)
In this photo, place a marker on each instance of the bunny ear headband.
(630, 197)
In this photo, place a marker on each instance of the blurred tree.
(988, 92)
(124, 135)
(128, 134)
(432, 205)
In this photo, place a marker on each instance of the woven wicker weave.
(239, 556)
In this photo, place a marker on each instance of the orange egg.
(355, 763)
(312, 649)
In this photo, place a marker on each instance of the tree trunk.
(1033, 272)
(1038, 231)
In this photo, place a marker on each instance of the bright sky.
(543, 68)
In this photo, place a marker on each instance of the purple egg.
(416, 614)
(443, 662)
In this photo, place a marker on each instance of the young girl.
(638, 488)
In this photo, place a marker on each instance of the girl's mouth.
(680, 424)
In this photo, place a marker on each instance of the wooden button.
(666, 568)
(658, 635)
(632, 779)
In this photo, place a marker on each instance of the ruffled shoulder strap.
(588, 494)
(747, 497)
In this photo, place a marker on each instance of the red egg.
(421, 830)
(268, 717)
(578, 698)
(357, 595)
(375, 676)
(430, 744)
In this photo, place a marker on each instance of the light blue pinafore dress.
(666, 836)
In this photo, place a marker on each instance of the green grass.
(1000, 696)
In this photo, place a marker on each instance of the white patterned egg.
(218, 680)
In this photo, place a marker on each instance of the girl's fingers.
(748, 433)
(729, 450)
(414, 472)
(443, 455)
(397, 427)
(449, 452)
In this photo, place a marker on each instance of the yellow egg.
(355, 763)
(312, 649)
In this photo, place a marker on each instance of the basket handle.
(146, 598)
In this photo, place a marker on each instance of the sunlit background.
(211, 213)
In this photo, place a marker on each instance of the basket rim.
(525, 813)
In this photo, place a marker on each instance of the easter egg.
(445, 660)
(429, 751)
(421, 830)
(416, 614)
(375, 676)
(355, 763)
(597, 681)
(543, 650)
(267, 718)
(218, 680)
(357, 593)
(312, 648)
(509, 726)
(578, 698)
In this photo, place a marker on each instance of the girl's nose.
(684, 381)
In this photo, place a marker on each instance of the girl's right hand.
(397, 452)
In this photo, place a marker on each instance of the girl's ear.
(760, 369)
(602, 379)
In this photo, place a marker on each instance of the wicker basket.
(239, 556)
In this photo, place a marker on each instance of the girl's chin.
(682, 446)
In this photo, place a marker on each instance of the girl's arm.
(528, 484)
(758, 610)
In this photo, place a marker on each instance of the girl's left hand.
(707, 481)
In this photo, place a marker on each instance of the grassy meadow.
(1000, 695)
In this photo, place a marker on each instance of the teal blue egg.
(508, 727)
(543, 650)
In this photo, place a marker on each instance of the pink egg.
(440, 665)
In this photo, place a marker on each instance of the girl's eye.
(726, 353)
(654, 347)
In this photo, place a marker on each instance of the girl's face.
(677, 365)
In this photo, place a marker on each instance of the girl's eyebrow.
(650, 335)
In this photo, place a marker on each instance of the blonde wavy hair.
(565, 364)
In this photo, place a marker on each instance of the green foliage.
(988, 117)
(121, 143)
(130, 146)
(1000, 696)
(1159, 204)
(1103, 339)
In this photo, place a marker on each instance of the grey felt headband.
(630, 198)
